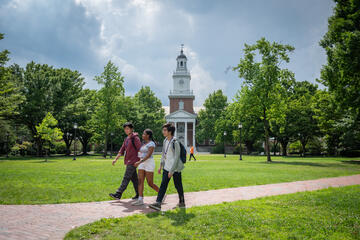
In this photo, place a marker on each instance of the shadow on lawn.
(312, 164)
(352, 162)
(178, 217)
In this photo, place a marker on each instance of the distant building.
(181, 112)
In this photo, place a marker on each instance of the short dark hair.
(128, 124)
(170, 128)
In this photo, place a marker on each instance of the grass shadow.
(352, 162)
(312, 164)
(179, 217)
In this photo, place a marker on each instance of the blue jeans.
(164, 184)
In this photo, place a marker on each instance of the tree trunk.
(84, 143)
(284, 147)
(303, 144)
(68, 146)
(266, 128)
(105, 145)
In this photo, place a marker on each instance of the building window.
(181, 105)
(181, 63)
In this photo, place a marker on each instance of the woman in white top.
(146, 165)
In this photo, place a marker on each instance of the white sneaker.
(138, 203)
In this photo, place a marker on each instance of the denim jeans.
(164, 184)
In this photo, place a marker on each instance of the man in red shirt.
(130, 148)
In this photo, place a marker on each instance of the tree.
(246, 113)
(149, 112)
(48, 131)
(80, 112)
(302, 115)
(214, 105)
(46, 90)
(263, 79)
(10, 96)
(342, 45)
(110, 109)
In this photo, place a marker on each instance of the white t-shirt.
(145, 149)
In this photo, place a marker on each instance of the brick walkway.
(53, 221)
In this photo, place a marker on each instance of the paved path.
(53, 221)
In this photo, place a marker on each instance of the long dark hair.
(149, 132)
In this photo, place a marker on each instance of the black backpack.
(182, 151)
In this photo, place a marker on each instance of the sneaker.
(180, 205)
(135, 197)
(115, 195)
(138, 203)
(164, 198)
(156, 206)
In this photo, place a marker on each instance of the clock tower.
(181, 98)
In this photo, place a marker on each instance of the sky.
(143, 38)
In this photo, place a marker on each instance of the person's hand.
(159, 171)
(113, 162)
(170, 175)
(137, 163)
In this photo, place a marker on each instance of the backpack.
(182, 151)
(133, 142)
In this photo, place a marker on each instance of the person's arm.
(177, 158)
(162, 160)
(148, 155)
(120, 153)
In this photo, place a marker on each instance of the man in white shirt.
(172, 167)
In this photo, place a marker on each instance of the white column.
(194, 144)
(176, 128)
(185, 142)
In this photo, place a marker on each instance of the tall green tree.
(46, 90)
(246, 112)
(149, 112)
(341, 74)
(214, 105)
(48, 131)
(10, 96)
(110, 109)
(302, 115)
(263, 79)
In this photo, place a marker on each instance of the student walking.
(146, 165)
(192, 153)
(171, 165)
(130, 147)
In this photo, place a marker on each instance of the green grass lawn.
(332, 213)
(91, 178)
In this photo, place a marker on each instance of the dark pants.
(164, 184)
(130, 175)
(192, 155)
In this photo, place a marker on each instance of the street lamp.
(111, 149)
(240, 127)
(75, 127)
(224, 143)
(68, 135)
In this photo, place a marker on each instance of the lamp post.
(240, 127)
(7, 145)
(111, 147)
(75, 127)
(68, 135)
(224, 144)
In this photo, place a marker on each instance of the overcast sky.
(143, 37)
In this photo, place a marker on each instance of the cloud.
(143, 37)
(201, 80)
